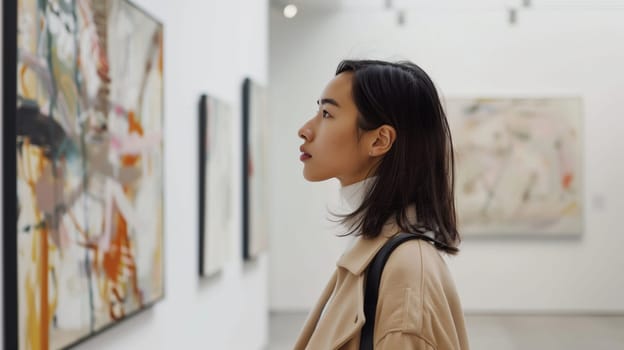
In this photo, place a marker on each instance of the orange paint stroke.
(112, 259)
(566, 180)
(133, 126)
(33, 341)
(114, 267)
(44, 320)
(117, 260)
(118, 301)
(160, 53)
(38, 323)
(23, 81)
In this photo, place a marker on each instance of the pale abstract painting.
(518, 165)
(216, 183)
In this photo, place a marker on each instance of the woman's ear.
(382, 140)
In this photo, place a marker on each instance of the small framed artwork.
(215, 183)
(82, 168)
(518, 166)
(255, 131)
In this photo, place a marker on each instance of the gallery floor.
(502, 332)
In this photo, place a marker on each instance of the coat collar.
(364, 250)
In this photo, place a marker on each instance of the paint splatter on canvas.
(89, 167)
(518, 165)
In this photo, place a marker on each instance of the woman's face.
(331, 145)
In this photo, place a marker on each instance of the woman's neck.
(353, 195)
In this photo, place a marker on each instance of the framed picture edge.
(9, 176)
(246, 106)
(203, 122)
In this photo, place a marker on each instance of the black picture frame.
(9, 172)
(254, 118)
(10, 208)
(246, 168)
(203, 123)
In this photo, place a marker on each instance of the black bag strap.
(373, 278)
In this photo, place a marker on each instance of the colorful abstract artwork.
(255, 124)
(518, 165)
(215, 183)
(83, 168)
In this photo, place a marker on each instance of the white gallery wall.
(469, 53)
(210, 46)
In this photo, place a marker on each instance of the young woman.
(381, 131)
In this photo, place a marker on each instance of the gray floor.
(502, 332)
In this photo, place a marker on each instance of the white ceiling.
(450, 5)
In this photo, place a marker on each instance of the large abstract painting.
(518, 165)
(255, 124)
(215, 183)
(82, 168)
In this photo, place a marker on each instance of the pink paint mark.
(566, 180)
(135, 144)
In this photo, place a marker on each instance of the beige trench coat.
(418, 306)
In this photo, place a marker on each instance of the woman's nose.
(305, 132)
(302, 134)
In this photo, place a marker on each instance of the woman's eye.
(325, 114)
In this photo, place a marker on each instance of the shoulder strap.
(373, 278)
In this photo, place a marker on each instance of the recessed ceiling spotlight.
(290, 11)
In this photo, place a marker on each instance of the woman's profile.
(381, 131)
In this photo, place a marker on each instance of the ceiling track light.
(290, 11)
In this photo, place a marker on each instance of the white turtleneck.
(351, 197)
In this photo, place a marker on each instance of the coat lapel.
(344, 314)
(342, 317)
(313, 319)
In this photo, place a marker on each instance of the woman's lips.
(304, 155)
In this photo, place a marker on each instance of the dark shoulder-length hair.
(418, 169)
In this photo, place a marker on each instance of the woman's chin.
(313, 177)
